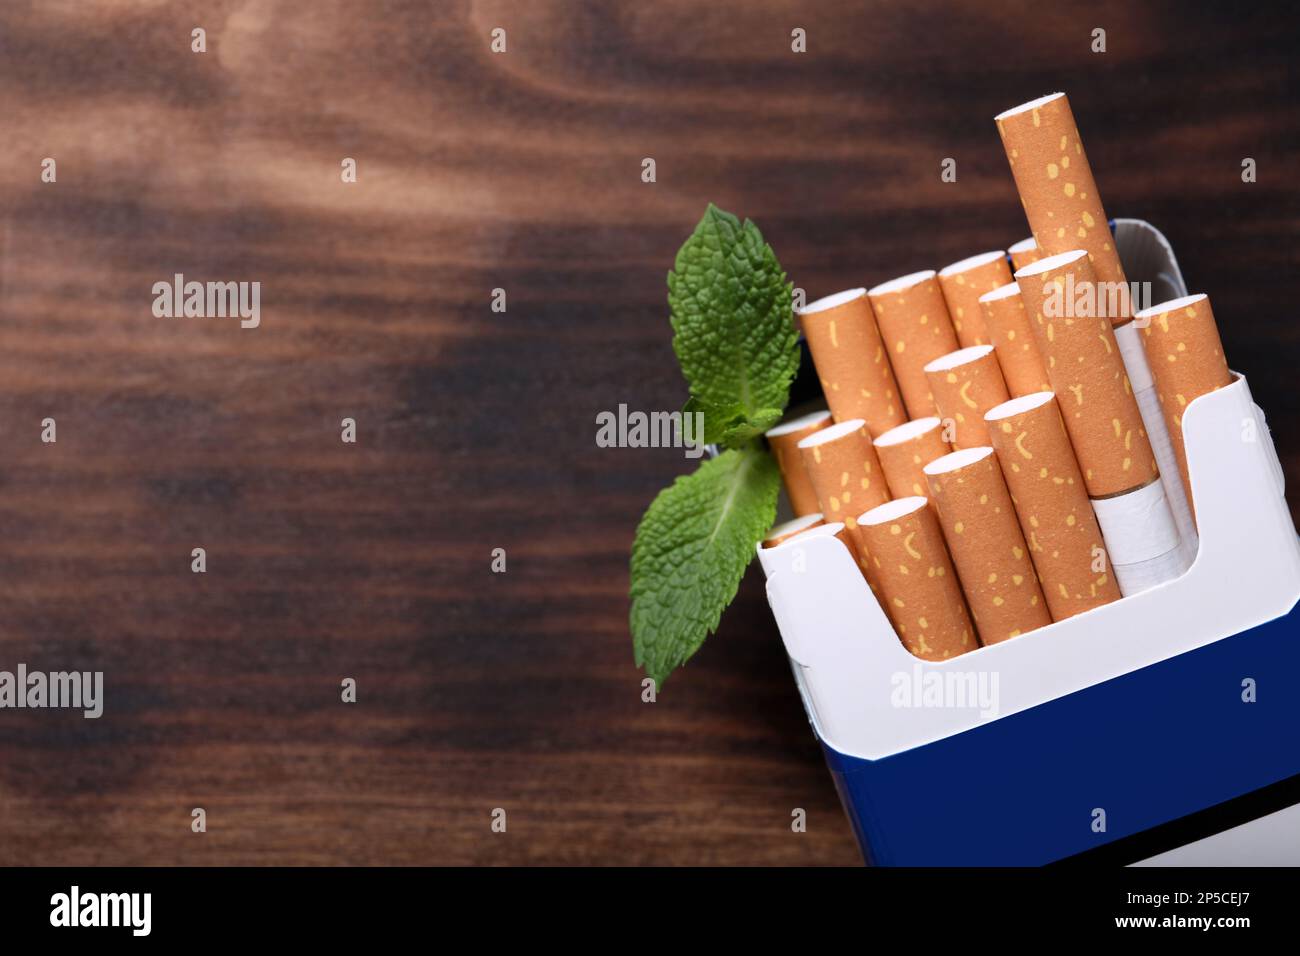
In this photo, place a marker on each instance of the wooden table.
(479, 171)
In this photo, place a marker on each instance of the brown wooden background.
(477, 171)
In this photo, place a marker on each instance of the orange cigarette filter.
(850, 359)
(844, 470)
(914, 323)
(1024, 252)
(966, 384)
(852, 537)
(917, 586)
(1013, 339)
(1186, 357)
(963, 283)
(987, 547)
(1056, 186)
(783, 532)
(1087, 373)
(850, 540)
(784, 441)
(1056, 517)
(904, 451)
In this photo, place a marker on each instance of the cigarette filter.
(850, 359)
(1129, 339)
(844, 470)
(918, 588)
(1056, 185)
(1009, 330)
(784, 441)
(788, 529)
(1024, 252)
(966, 384)
(988, 549)
(1087, 373)
(905, 450)
(963, 283)
(851, 540)
(1056, 517)
(914, 323)
(1186, 358)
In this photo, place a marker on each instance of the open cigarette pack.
(1040, 596)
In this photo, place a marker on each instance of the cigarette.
(914, 323)
(963, 283)
(1012, 336)
(850, 359)
(1024, 252)
(1086, 371)
(1129, 339)
(966, 384)
(1182, 344)
(844, 469)
(788, 529)
(1056, 185)
(987, 547)
(917, 585)
(784, 441)
(1101, 414)
(1056, 517)
(905, 450)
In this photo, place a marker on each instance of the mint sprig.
(691, 550)
(737, 345)
(733, 331)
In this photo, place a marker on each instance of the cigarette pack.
(1120, 734)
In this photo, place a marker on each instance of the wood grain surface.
(519, 171)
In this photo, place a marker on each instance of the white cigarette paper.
(1142, 540)
(1153, 419)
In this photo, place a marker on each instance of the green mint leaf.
(691, 549)
(749, 429)
(717, 418)
(731, 426)
(733, 328)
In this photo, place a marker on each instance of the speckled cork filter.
(965, 385)
(904, 451)
(850, 359)
(963, 283)
(1013, 338)
(1186, 357)
(1086, 371)
(1023, 252)
(918, 588)
(989, 551)
(914, 323)
(1056, 185)
(1056, 517)
(844, 470)
(784, 441)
